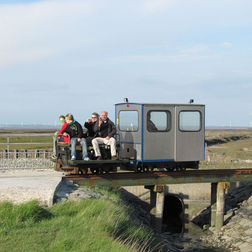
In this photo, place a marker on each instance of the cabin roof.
(160, 104)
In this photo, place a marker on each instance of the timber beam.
(162, 178)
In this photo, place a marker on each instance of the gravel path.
(25, 185)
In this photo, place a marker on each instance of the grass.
(27, 142)
(106, 224)
(233, 154)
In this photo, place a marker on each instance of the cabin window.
(128, 120)
(189, 121)
(158, 121)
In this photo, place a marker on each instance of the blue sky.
(82, 56)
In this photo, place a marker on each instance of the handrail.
(35, 134)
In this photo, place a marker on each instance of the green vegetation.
(27, 142)
(106, 224)
(235, 150)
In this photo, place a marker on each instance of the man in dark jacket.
(104, 131)
(75, 131)
(89, 124)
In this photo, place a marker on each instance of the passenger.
(150, 125)
(104, 131)
(89, 124)
(59, 134)
(75, 131)
(62, 120)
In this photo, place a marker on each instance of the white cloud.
(196, 49)
(226, 44)
(36, 30)
(153, 6)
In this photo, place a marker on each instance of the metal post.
(16, 154)
(8, 151)
(36, 153)
(213, 204)
(220, 205)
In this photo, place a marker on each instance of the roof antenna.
(191, 101)
(126, 100)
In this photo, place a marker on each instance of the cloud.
(154, 6)
(226, 44)
(196, 49)
(37, 30)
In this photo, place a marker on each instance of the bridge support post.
(213, 204)
(220, 206)
(157, 195)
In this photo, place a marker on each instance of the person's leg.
(84, 148)
(112, 143)
(95, 142)
(73, 147)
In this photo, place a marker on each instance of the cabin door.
(190, 133)
(158, 128)
(128, 121)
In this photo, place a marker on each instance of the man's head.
(69, 118)
(104, 115)
(95, 116)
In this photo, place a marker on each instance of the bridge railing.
(26, 151)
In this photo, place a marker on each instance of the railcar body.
(151, 136)
(168, 136)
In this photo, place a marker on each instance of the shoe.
(114, 158)
(86, 159)
(99, 158)
(73, 158)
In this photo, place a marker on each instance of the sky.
(80, 56)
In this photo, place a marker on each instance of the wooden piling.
(213, 204)
(220, 206)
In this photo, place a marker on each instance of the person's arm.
(62, 129)
(112, 130)
(88, 125)
(80, 130)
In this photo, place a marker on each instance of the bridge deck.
(161, 178)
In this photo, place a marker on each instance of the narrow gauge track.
(156, 178)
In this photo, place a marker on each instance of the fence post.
(16, 154)
(36, 153)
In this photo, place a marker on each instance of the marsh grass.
(87, 225)
(27, 142)
(233, 154)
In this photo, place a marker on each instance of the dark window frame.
(168, 113)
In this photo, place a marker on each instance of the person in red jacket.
(64, 125)
(59, 134)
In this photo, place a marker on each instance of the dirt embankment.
(225, 136)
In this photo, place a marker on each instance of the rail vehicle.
(166, 137)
